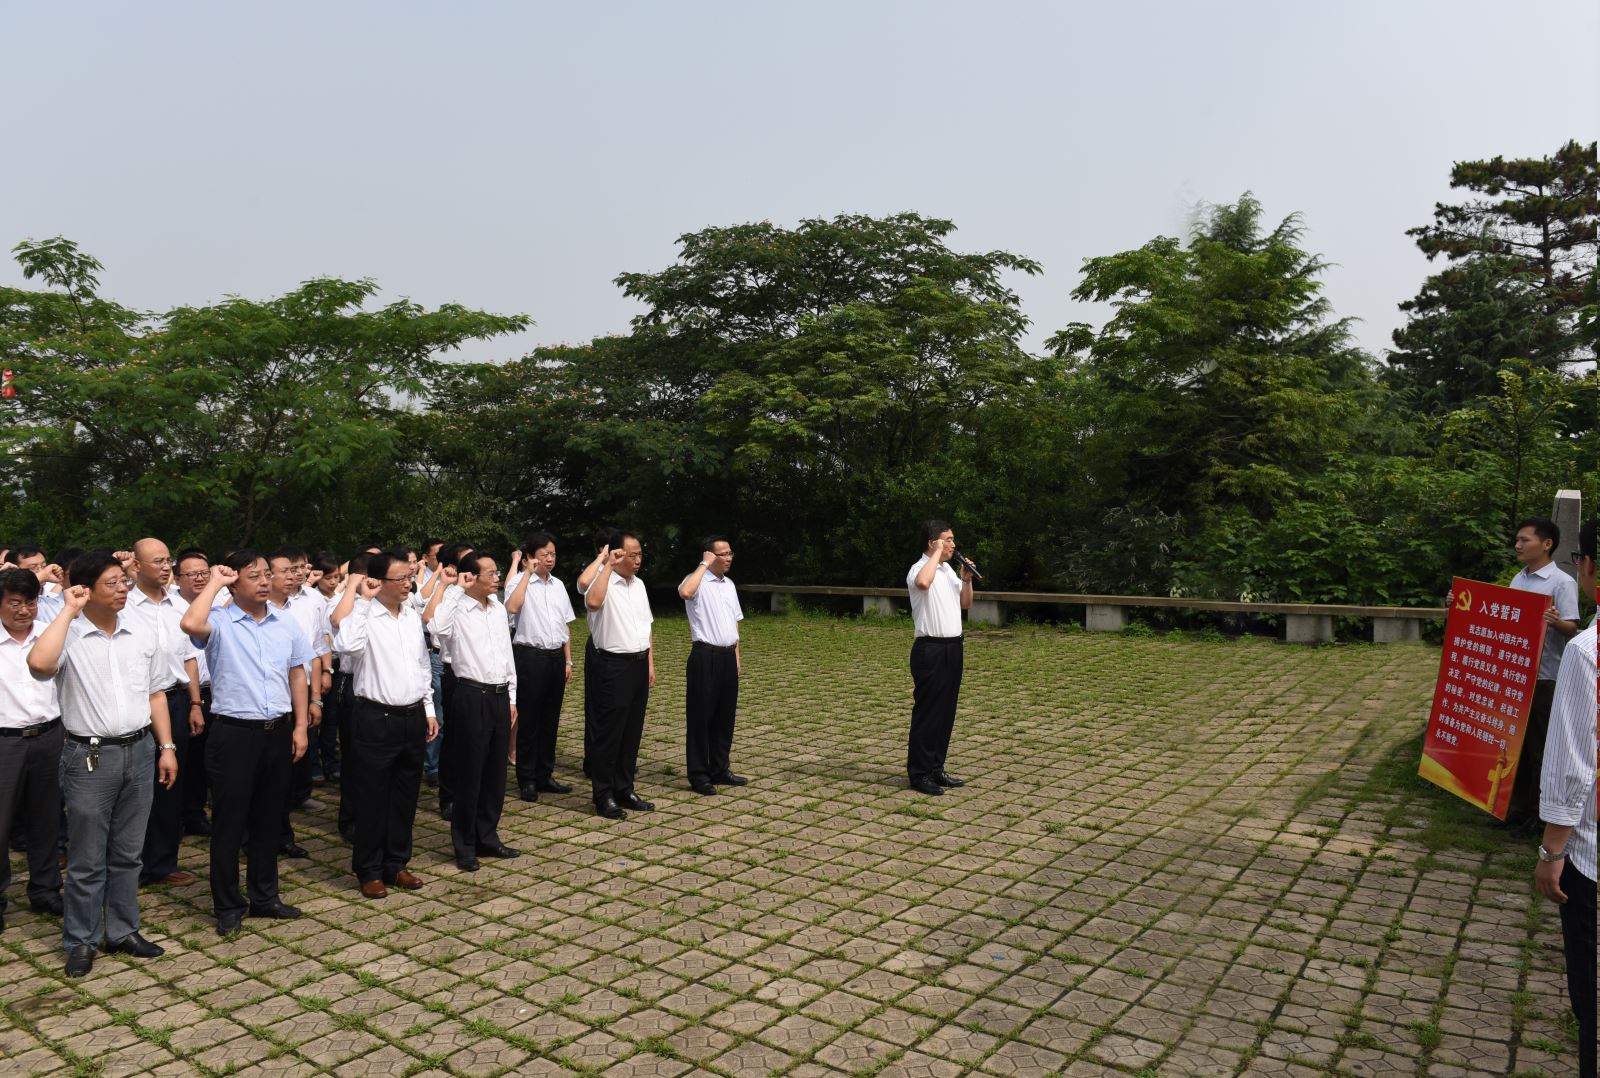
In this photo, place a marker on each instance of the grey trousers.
(30, 780)
(107, 810)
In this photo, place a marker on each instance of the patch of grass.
(1428, 1034)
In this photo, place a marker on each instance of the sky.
(516, 157)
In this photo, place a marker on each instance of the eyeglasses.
(397, 579)
(159, 563)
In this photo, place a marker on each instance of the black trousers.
(345, 693)
(621, 691)
(249, 779)
(711, 697)
(30, 781)
(163, 832)
(589, 652)
(325, 738)
(300, 784)
(541, 688)
(936, 663)
(192, 768)
(1578, 939)
(480, 722)
(447, 688)
(389, 744)
(1524, 803)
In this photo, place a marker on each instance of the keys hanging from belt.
(94, 753)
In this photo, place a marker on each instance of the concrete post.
(1309, 628)
(1396, 630)
(1106, 619)
(1568, 515)
(986, 612)
(782, 602)
(877, 604)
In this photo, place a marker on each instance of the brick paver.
(1150, 873)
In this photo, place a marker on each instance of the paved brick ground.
(1169, 861)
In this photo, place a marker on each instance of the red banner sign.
(1492, 643)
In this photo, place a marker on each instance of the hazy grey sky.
(518, 156)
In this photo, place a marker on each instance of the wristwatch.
(168, 746)
(1546, 855)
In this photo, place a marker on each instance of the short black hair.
(190, 552)
(21, 582)
(451, 553)
(241, 559)
(293, 553)
(477, 557)
(324, 562)
(359, 562)
(624, 534)
(537, 541)
(429, 544)
(378, 564)
(1586, 540)
(66, 555)
(607, 536)
(87, 569)
(712, 540)
(931, 530)
(25, 550)
(1543, 527)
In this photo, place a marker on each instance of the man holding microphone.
(938, 596)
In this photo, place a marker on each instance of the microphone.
(964, 560)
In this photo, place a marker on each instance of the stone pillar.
(782, 602)
(1568, 515)
(986, 612)
(1396, 630)
(1309, 628)
(1106, 619)
(877, 604)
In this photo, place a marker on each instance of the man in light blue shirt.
(258, 730)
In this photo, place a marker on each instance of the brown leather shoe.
(374, 889)
(174, 879)
(404, 878)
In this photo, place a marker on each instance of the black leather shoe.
(293, 849)
(80, 960)
(944, 778)
(135, 945)
(50, 904)
(728, 778)
(201, 827)
(467, 864)
(609, 809)
(227, 926)
(636, 803)
(551, 786)
(278, 911)
(498, 851)
(528, 793)
(704, 789)
(444, 809)
(927, 786)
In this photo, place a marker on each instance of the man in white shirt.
(304, 607)
(192, 569)
(30, 748)
(105, 669)
(711, 678)
(1565, 873)
(605, 540)
(159, 611)
(1536, 539)
(542, 648)
(938, 596)
(323, 577)
(625, 672)
(473, 621)
(392, 720)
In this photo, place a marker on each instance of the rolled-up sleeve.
(1567, 782)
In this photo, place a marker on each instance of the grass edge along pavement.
(1178, 855)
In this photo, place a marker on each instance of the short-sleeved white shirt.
(546, 612)
(937, 611)
(714, 612)
(1563, 591)
(105, 682)
(622, 624)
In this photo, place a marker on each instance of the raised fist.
(605, 553)
(618, 557)
(52, 574)
(126, 558)
(313, 577)
(221, 574)
(76, 597)
(466, 580)
(449, 574)
(370, 586)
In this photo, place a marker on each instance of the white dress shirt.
(1563, 591)
(714, 612)
(479, 636)
(161, 617)
(308, 609)
(106, 682)
(24, 700)
(937, 611)
(546, 612)
(1567, 783)
(622, 624)
(394, 668)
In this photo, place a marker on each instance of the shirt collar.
(138, 598)
(34, 632)
(1540, 573)
(232, 611)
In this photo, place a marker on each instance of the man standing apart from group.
(542, 649)
(711, 680)
(257, 656)
(392, 719)
(625, 672)
(1566, 870)
(938, 596)
(106, 671)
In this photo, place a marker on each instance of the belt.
(635, 656)
(542, 651)
(252, 724)
(939, 639)
(494, 690)
(125, 739)
(38, 729)
(402, 710)
(714, 647)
